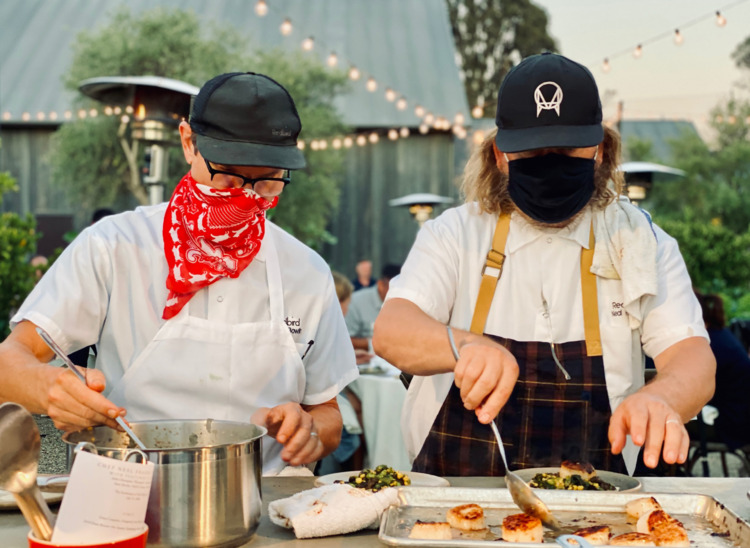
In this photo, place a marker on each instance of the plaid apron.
(547, 419)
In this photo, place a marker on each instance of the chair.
(704, 445)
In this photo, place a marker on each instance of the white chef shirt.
(442, 275)
(109, 288)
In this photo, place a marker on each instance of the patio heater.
(155, 106)
(641, 176)
(421, 205)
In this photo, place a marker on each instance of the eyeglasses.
(271, 186)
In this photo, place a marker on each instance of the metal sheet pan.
(708, 522)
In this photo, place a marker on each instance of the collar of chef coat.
(523, 233)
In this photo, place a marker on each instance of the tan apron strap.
(590, 300)
(491, 272)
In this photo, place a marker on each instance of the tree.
(89, 161)
(17, 245)
(491, 35)
(716, 188)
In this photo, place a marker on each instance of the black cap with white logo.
(546, 101)
(246, 119)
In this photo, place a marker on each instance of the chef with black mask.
(534, 303)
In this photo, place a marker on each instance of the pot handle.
(138, 454)
(86, 446)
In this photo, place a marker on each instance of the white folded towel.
(331, 510)
(626, 250)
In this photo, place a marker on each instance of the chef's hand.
(73, 405)
(293, 427)
(486, 373)
(653, 424)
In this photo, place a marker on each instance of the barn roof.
(404, 44)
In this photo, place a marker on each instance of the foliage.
(717, 258)
(17, 245)
(88, 160)
(639, 150)
(716, 188)
(490, 35)
(741, 54)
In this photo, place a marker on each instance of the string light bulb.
(348, 142)
(605, 65)
(314, 145)
(390, 95)
(286, 27)
(361, 140)
(424, 128)
(404, 132)
(429, 118)
(117, 111)
(419, 111)
(261, 8)
(336, 143)
(301, 145)
(26, 116)
(332, 60)
(477, 112)
(6, 115)
(308, 43)
(323, 144)
(373, 137)
(401, 104)
(354, 73)
(678, 38)
(459, 119)
(392, 134)
(720, 19)
(638, 51)
(53, 115)
(371, 85)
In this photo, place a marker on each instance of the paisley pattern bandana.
(209, 234)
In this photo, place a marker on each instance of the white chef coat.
(442, 275)
(108, 288)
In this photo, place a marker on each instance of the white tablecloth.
(382, 395)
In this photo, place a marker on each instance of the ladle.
(64, 357)
(19, 456)
(522, 494)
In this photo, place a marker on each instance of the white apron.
(199, 369)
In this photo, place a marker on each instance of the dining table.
(732, 492)
(382, 396)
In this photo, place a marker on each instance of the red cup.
(134, 541)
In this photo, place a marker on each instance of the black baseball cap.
(246, 119)
(548, 100)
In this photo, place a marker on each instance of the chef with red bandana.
(200, 308)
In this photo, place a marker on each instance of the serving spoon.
(64, 357)
(19, 456)
(522, 494)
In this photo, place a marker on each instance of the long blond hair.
(484, 183)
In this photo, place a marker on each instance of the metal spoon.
(64, 357)
(19, 455)
(522, 494)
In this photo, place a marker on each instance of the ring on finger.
(675, 421)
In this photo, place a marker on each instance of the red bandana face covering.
(209, 234)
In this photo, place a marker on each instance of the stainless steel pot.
(206, 487)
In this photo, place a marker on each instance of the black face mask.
(551, 188)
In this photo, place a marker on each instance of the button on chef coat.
(443, 271)
(108, 288)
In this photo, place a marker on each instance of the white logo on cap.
(552, 104)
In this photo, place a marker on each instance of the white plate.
(418, 479)
(623, 482)
(8, 501)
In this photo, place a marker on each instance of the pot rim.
(262, 432)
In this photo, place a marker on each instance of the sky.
(668, 81)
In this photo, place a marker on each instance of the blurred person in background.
(732, 426)
(363, 278)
